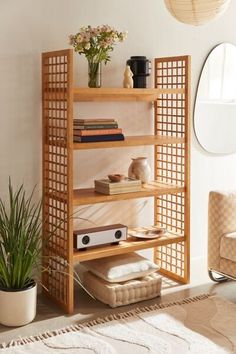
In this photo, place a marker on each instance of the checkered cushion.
(221, 220)
(228, 267)
(228, 246)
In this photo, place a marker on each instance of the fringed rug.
(204, 324)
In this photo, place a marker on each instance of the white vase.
(17, 308)
(140, 169)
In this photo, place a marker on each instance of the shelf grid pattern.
(172, 163)
(57, 175)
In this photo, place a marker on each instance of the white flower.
(79, 38)
(87, 46)
(123, 36)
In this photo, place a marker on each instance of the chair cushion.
(228, 246)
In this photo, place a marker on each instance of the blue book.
(97, 138)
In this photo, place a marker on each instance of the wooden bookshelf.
(170, 191)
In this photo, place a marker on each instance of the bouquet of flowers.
(96, 43)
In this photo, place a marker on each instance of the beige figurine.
(128, 78)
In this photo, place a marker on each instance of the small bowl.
(116, 177)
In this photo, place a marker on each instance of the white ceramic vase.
(140, 169)
(17, 308)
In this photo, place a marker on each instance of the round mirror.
(215, 105)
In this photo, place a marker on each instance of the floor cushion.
(128, 292)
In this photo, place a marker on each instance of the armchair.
(222, 235)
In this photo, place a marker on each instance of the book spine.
(98, 138)
(111, 187)
(117, 192)
(95, 127)
(137, 188)
(97, 132)
(91, 121)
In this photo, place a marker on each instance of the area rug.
(203, 324)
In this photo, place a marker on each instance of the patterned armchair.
(222, 235)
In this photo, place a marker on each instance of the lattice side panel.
(172, 163)
(57, 176)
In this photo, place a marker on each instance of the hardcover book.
(96, 126)
(79, 132)
(93, 121)
(105, 186)
(118, 191)
(124, 183)
(96, 120)
(98, 138)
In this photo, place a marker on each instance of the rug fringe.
(109, 318)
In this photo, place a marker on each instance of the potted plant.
(20, 253)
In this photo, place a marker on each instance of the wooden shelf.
(131, 141)
(120, 94)
(132, 244)
(89, 196)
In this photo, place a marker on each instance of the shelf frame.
(57, 120)
(172, 164)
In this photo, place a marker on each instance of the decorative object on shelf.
(147, 232)
(196, 12)
(127, 185)
(99, 236)
(140, 67)
(140, 169)
(94, 73)
(128, 81)
(96, 43)
(117, 177)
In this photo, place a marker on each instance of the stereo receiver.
(97, 236)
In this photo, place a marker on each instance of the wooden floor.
(50, 317)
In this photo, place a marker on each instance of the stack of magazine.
(95, 130)
(128, 185)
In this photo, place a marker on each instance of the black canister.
(140, 67)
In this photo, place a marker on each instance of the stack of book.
(95, 130)
(128, 185)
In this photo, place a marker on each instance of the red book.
(78, 132)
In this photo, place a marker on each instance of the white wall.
(28, 27)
